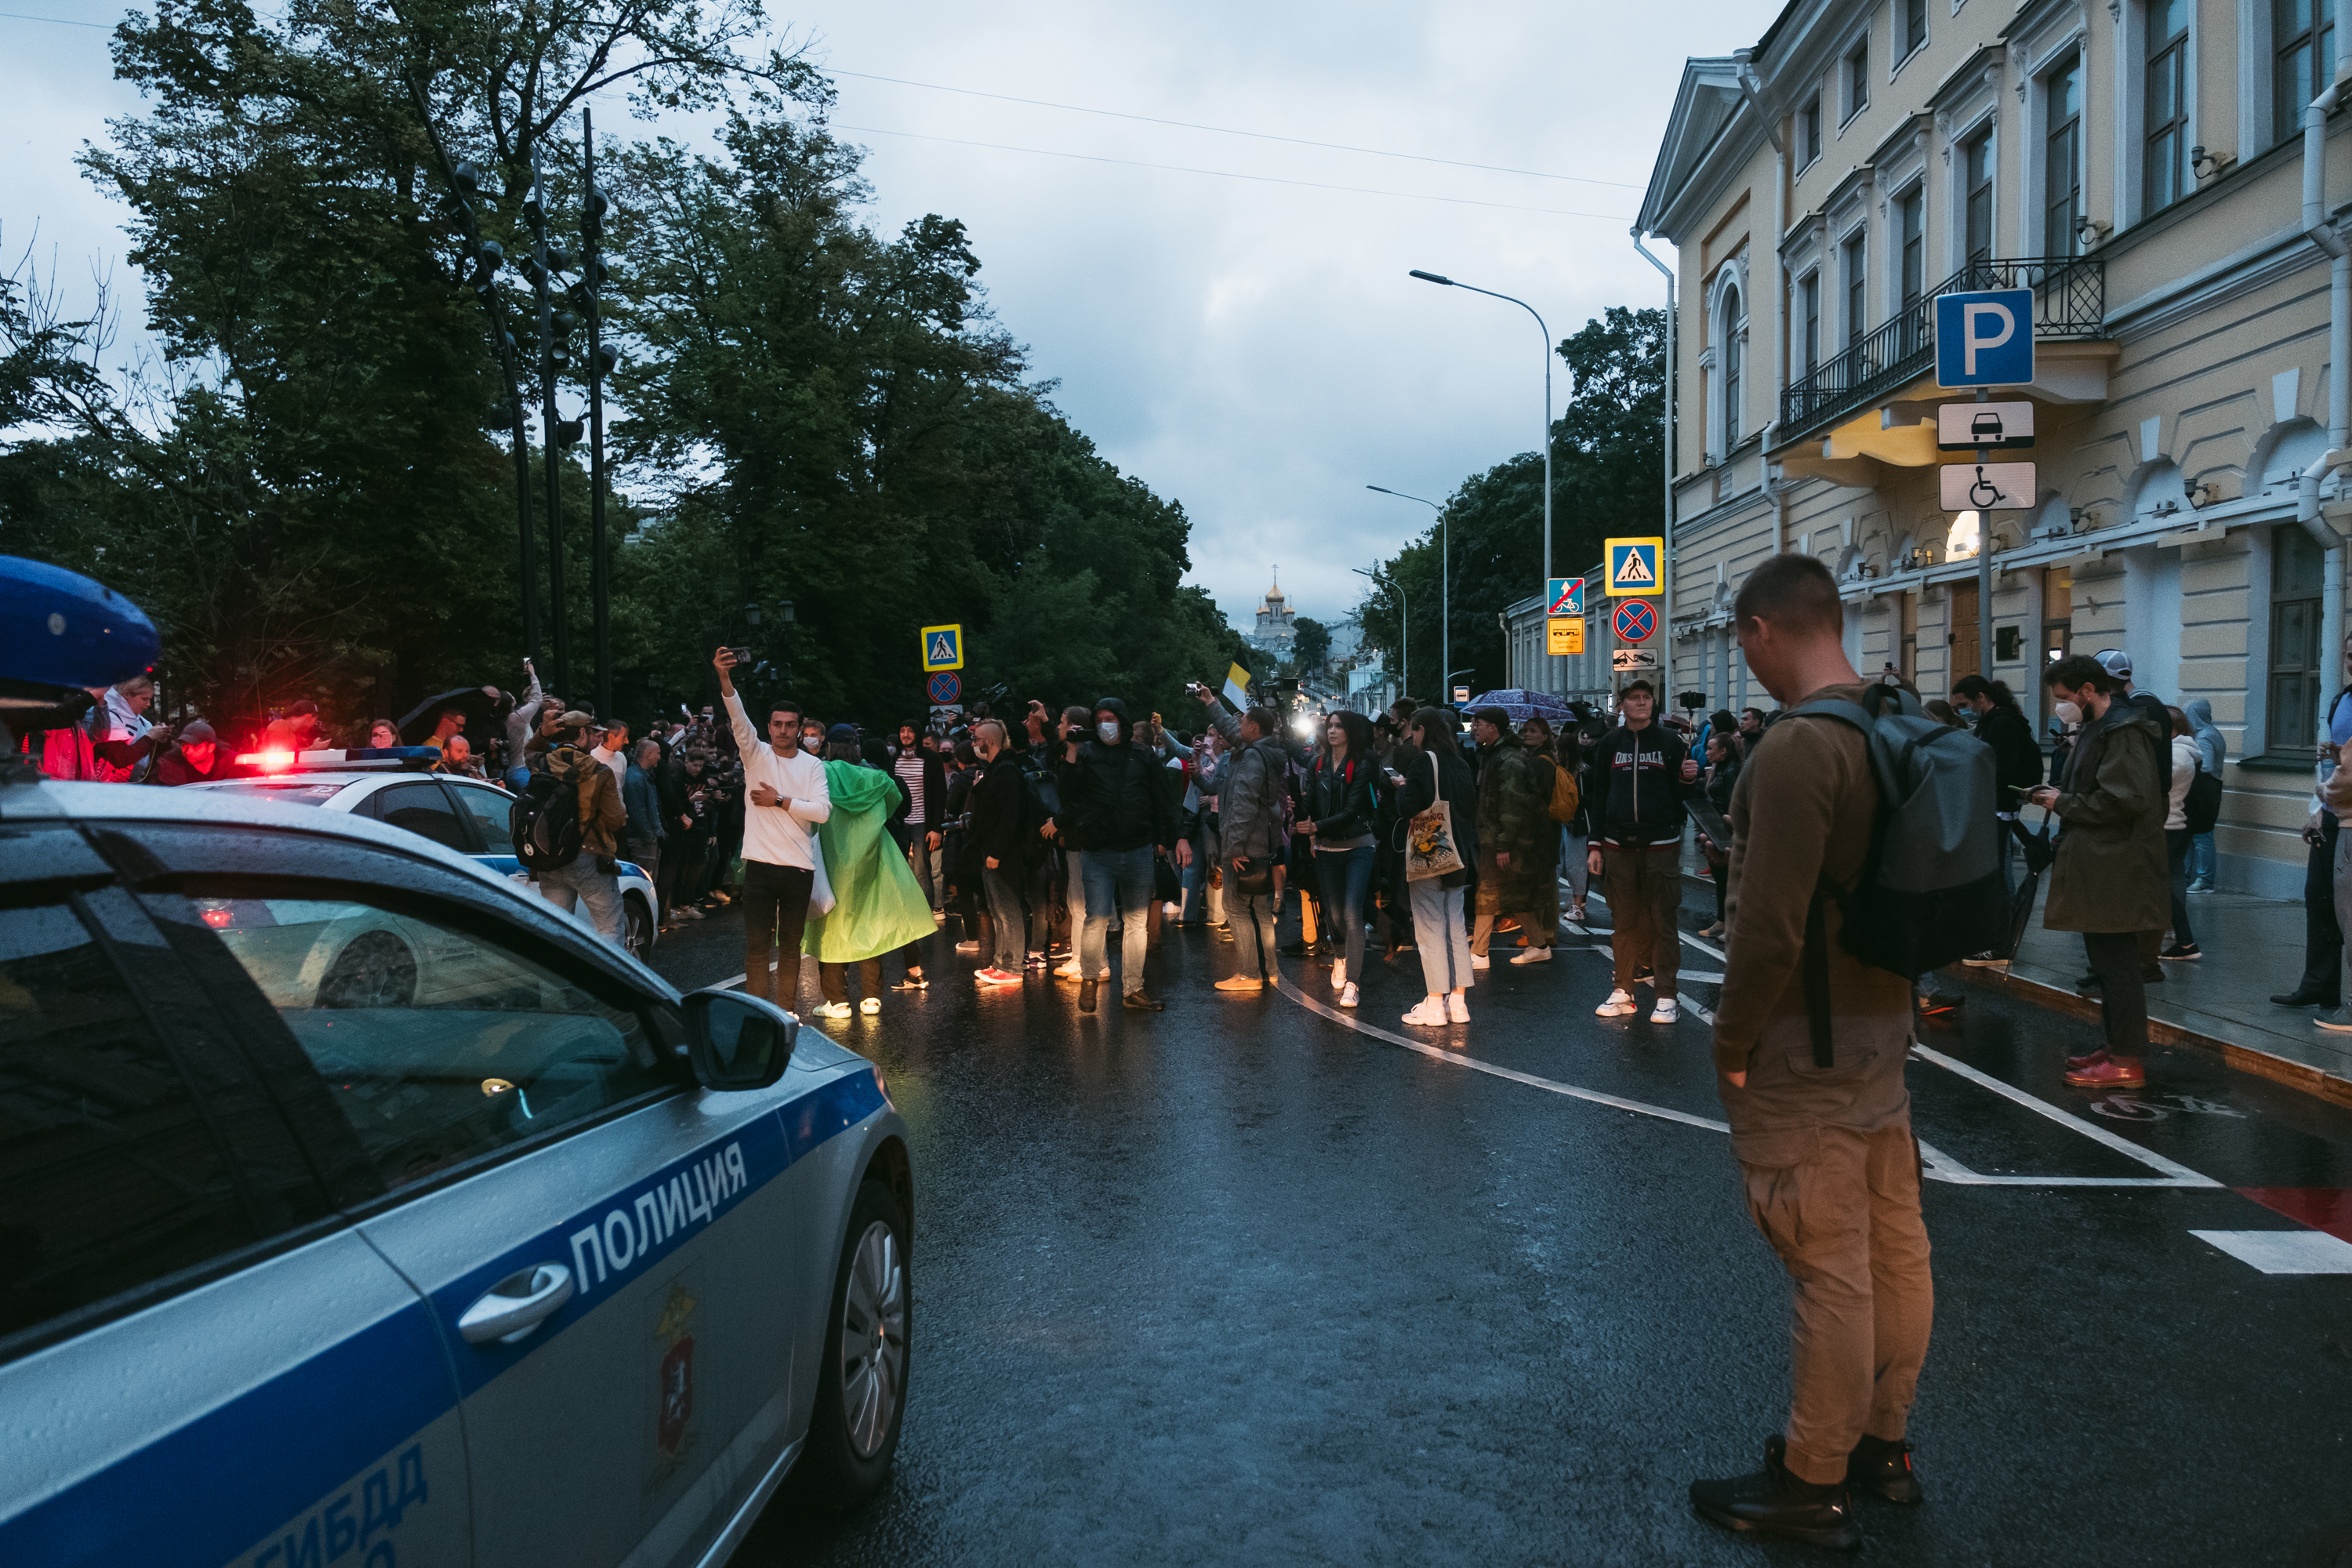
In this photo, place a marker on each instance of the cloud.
(1254, 351)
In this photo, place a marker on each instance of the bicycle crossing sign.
(1564, 597)
(1635, 621)
(943, 647)
(1633, 566)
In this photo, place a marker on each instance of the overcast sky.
(1249, 348)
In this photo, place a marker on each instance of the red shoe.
(2076, 1064)
(2116, 1072)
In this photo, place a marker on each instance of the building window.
(1809, 297)
(2165, 109)
(2062, 165)
(1911, 213)
(1976, 167)
(1857, 79)
(1734, 347)
(1857, 289)
(1809, 130)
(2298, 590)
(2301, 61)
(1914, 25)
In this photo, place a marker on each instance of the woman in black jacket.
(1429, 769)
(2016, 756)
(1336, 812)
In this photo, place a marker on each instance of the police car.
(388, 784)
(357, 1208)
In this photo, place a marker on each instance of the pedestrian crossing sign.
(943, 647)
(1632, 567)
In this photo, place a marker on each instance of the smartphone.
(742, 655)
(2019, 792)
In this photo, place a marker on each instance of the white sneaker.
(1429, 1012)
(1339, 975)
(1667, 1011)
(939, 917)
(1619, 1006)
(833, 1009)
(1477, 962)
(1532, 955)
(870, 1006)
(1347, 997)
(1456, 1010)
(1069, 971)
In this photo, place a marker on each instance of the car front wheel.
(638, 922)
(861, 1396)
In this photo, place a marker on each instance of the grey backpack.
(1929, 892)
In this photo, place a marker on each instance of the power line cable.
(1227, 173)
(1229, 130)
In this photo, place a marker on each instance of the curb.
(2263, 1064)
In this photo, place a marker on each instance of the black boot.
(1884, 1468)
(1775, 1503)
(1087, 994)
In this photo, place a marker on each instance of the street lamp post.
(1530, 309)
(1445, 575)
(1404, 624)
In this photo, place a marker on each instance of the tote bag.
(1429, 847)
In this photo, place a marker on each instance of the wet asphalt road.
(1238, 1283)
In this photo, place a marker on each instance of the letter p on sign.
(1985, 339)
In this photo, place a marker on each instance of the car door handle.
(510, 1309)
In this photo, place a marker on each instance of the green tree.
(1310, 644)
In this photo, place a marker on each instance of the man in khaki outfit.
(1830, 1168)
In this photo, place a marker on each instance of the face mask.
(2068, 714)
(1108, 731)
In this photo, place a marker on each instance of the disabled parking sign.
(1985, 338)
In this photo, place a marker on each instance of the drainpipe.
(1747, 88)
(2339, 342)
(1666, 421)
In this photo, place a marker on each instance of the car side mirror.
(737, 1041)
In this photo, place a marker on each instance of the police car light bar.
(280, 762)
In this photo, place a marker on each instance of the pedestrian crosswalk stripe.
(2284, 1251)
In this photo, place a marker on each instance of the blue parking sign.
(1985, 339)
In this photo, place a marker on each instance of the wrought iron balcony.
(2070, 300)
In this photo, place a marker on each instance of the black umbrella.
(2039, 853)
(470, 700)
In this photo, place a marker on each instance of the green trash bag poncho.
(877, 905)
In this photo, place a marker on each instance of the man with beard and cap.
(1122, 810)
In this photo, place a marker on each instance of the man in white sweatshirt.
(787, 797)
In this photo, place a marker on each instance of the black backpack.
(2203, 808)
(1929, 892)
(547, 834)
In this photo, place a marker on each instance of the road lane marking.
(1551, 1086)
(2181, 1175)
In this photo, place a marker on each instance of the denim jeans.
(1346, 877)
(1004, 890)
(1441, 936)
(2204, 862)
(580, 883)
(1119, 878)
(2175, 851)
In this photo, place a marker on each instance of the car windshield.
(288, 791)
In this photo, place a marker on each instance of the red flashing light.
(219, 919)
(267, 761)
